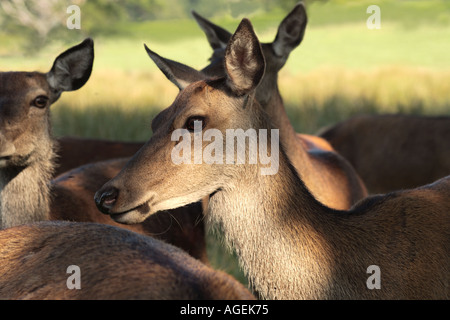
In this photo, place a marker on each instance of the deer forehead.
(193, 100)
(16, 87)
(13, 82)
(17, 91)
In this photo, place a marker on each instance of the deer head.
(25, 98)
(151, 181)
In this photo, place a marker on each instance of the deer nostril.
(105, 199)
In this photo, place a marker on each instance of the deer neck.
(25, 191)
(260, 219)
(273, 104)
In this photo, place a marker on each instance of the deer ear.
(291, 31)
(244, 60)
(72, 68)
(217, 36)
(178, 73)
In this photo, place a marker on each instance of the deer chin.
(135, 215)
(141, 212)
(15, 160)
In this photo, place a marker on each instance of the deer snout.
(106, 198)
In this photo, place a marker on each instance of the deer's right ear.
(291, 31)
(178, 73)
(244, 60)
(72, 68)
(217, 36)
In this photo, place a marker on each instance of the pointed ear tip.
(88, 42)
(246, 24)
(147, 49)
(300, 6)
(198, 18)
(152, 54)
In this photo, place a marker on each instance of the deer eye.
(190, 123)
(40, 102)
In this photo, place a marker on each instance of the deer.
(330, 177)
(411, 150)
(28, 151)
(289, 244)
(41, 260)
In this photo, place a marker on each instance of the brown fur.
(114, 264)
(288, 243)
(392, 152)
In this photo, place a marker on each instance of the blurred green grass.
(341, 69)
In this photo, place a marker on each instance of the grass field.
(342, 68)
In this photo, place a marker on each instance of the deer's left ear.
(217, 36)
(72, 68)
(178, 73)
(244, 60)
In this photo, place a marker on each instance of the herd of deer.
(308, 232)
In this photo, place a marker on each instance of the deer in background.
(394, 151)
(27, 156)
(289, 244)
(113, 264)
(74, 152)
(328, 175)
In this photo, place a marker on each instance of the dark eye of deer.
(40, 102)
(190, 123)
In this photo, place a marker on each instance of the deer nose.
(106, 199)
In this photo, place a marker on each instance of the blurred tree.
(40, 17)
(139, 10)
(36, 22)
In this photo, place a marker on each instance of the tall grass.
(121, 104)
